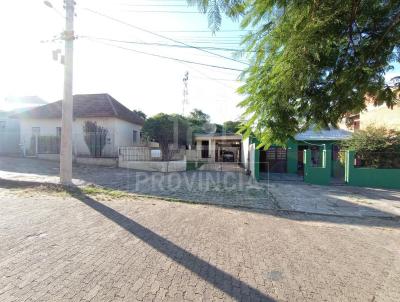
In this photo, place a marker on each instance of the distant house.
(218, 147)
(9, 134)
(115, 126)
(17, 104)
(9, 127)
(374, 115)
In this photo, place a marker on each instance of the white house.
(9, 127)
(9, 134)
(40, 128)
(217, 147)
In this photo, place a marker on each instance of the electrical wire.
(166, 57)
(161, 11)
(204, 31)
(162, 36)
(161, 44)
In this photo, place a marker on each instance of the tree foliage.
(231, 126)
(170, 131)
(375, 147)
(198, 120)
(311, 61)
(140, 113)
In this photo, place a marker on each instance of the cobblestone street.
(58, 247)
(218, 188)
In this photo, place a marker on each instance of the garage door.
(273, 160)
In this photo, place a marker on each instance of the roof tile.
(87, 105)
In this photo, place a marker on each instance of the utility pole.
(67, 103)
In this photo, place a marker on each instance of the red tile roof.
(87, 105)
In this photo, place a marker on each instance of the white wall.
(80, 147)
(124, 133)
(9, 136)
(245, 152)
(252, 149)
(154, 166)
(120, 133)
(47, 128)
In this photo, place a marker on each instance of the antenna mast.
(185, 91)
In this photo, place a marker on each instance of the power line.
(166, 57)
(161, 36)
(161, 11)
(214, 79)
(166, 5)
(203, 31)
(162, 44)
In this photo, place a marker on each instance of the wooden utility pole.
(67, 104)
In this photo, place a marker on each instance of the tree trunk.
(165, 154)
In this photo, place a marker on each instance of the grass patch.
(191, 165)
(96, 191)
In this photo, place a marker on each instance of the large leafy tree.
(231, 126)
(197, 120)
(312, 61)
(170, 131)
(140, 113)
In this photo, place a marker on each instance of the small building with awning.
(289, 158)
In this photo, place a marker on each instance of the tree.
(167, 130)
(197, 120)
(231, 126)
(311, 62)
(375, 147)
(95, 137)
(140, 113)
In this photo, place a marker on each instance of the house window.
(36, 131)
(135, 137)
(58, 131)
(356, 125)
(2, 125)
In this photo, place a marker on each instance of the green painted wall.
(370, 177)
(318, 175)
(292, 154)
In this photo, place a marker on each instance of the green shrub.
(375, 147)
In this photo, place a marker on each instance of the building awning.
(323, 135)
(217, 136)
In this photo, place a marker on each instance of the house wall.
(211, 149)
(250, 157)
(120, 133)
(47, 128)
(381, 116)
(80, 147)
(318, 175)
(244, 153)
(292, 157)
(155, 166)
(9, 135)
(124, 133)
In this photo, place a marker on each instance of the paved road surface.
(55, 247)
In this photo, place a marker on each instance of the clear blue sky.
(137, 80)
